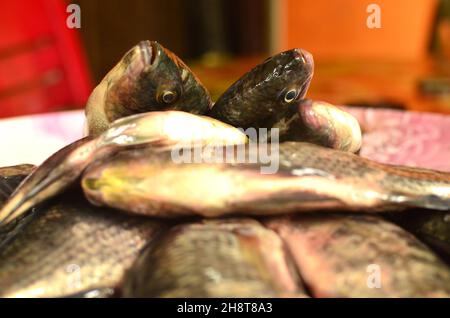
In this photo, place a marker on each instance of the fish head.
(268, 89)
(148, 78)
(195, 97)
(289, 74)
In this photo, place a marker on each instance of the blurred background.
(404, 63)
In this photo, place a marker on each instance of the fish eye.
(168, 97)
(290, 95)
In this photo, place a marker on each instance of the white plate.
(32, 139)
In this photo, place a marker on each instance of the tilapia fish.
(361, 256)
(271, 96)
(69, 247)
(224, 258)
(148, 78)
(308, 178)
(154, 129)
(266, 91)
(10, 178)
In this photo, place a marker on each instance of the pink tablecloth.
(405, 138)
(390, 136)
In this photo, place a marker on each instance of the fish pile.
(260, 194)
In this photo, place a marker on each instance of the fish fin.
(5, 190)
(48, 180)
(9, 232)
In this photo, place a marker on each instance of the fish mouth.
(304, 88)
(149, 52)
(305, 57)
(142, 60)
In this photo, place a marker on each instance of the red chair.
(42, 65)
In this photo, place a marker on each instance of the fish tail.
(49, 179)
(430, 202)
(418, 187)
(13, 208)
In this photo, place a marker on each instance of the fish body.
(148, 78)
(69, 247)
(361, 256)
(224, 258)
(309, 178)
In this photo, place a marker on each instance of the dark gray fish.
(148, 78)
(224, 258)
(264, 94)
(309, 178)
(361, 256)
(70, 247)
